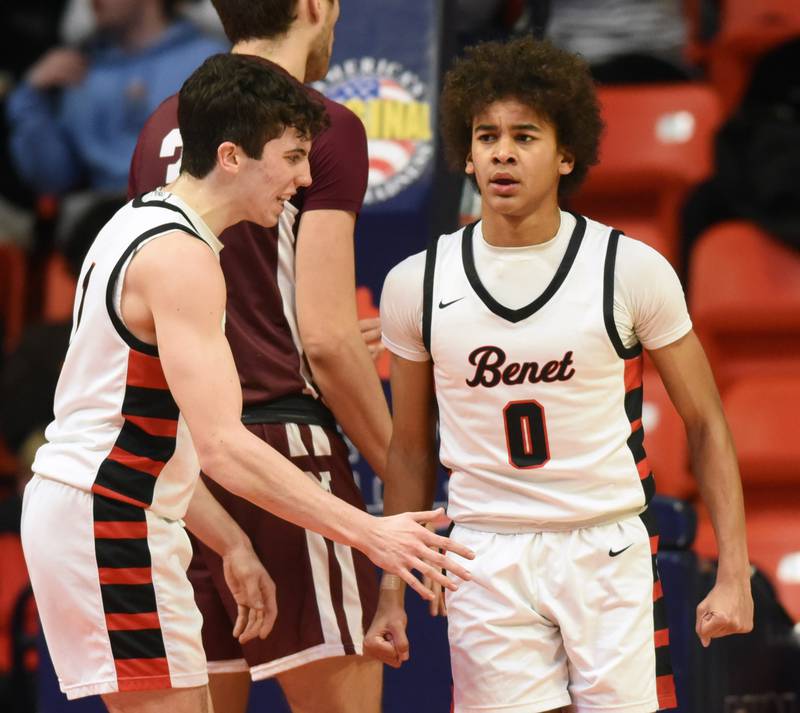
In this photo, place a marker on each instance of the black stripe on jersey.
(126, 481)
(427, 290)
(122, 553)
(137, 644)
(140, 443)
(128, 598)
(84, 287)
(633, 403)
(109, 510)
(152, 403)
(663, 661)
(636, 444)
(622, 351)
(649, 488)
(517, 315)
(139, 203)
(132, 341)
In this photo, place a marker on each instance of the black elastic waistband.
(295, 408)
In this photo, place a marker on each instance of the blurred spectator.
(26, 31)
(75, 118)
(624, 41)
(757, 152)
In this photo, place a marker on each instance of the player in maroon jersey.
(291, 322)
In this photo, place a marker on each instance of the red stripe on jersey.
(132, 622)
(665, 687)
(633, 373)
(125, 575)
(142, 674)
(643, 466)
(140, 463)
(114, 495)
(636, 425)
(165, 427)
(661, 638)
(654, 544)
(657, 591)
(145, 370)
(119, 530)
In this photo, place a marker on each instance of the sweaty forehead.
(508, 112)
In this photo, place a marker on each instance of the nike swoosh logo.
(611, 552)
(442, 305)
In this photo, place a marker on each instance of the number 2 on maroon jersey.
(526, 434)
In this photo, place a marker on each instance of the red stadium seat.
(748, 29)
(665, 440)
(762, 412)
(13, 273)
(744, 297)
(59, 290)
(656, 146)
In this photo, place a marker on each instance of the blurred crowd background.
(700, 159)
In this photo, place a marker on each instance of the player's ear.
(567, 161)
(469, 167)
(314, 9)
(228, 158)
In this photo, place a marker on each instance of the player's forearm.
(209, 522)
(251, 469)
(346, 376)
(714, 464)
(410, 479)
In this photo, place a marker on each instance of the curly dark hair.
(552, 81)
(245, 100)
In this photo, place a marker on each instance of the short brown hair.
(555, 83)
(244, 100)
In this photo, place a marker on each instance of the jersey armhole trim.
(622, 351)
(131, 340)
(427, 292)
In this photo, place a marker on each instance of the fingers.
(438, 518)
(382, 649)
(241, 621)
(445, 543)
(415, 584)
(370, 329)
(712, 625)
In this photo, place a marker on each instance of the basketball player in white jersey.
(527, 330)
(149, 378)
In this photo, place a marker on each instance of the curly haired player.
(527, 329)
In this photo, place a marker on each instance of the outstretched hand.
(253, 591)
(728, 609)
(401, 543)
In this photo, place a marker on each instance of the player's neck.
(205, 199)
(292, 56)
(506, 231)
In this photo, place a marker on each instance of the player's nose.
(504, 152)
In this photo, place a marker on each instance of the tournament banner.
(386, 67)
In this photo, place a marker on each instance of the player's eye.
(525, 138)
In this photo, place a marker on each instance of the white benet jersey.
(117, 430)
(539, 407)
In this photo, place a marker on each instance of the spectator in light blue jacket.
(75, 118)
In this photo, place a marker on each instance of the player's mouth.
(503, 184)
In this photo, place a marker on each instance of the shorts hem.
(315, 653)
(646, 707)
(535, 707)
(228, 666)
(144, 683)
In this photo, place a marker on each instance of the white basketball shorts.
(551, 619)
(109, 580)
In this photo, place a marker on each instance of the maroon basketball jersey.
(261, 324)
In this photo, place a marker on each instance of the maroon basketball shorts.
(327, 593)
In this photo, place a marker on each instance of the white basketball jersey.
(539, 407)
(117, 430)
